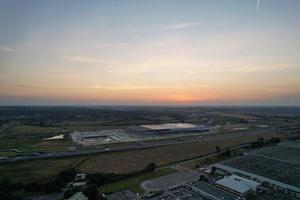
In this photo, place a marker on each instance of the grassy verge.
(24, 139)
(207, 161)
(134, 182)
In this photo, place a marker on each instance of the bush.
(33, 187)
(151, 167)
(275, 140)
(65, 177)
(91, 191)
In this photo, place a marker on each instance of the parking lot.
(169, 181)
(180, 192)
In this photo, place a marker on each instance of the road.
(136, 146)
(182, 176)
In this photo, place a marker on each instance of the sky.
(158, 52)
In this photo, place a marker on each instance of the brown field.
(129, 161)
(235, 115)
(119, 162)
(25, 129)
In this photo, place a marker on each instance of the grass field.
(89, 127)
(40, 170)
(119, 162)
(235, 115)
(25, 129)
(24, 139)
(201, 162)
(134, 182)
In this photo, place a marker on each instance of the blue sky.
(211, 52)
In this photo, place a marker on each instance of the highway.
(136, 146)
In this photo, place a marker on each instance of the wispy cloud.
(86, 60)
(183, 26)
(32, 87)
(264, 68)
(125, 87)
(148, 87)
(7, 49)
(257, 5)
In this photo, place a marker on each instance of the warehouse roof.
(238, 184)
(211, 191)
(169, 126)
(78, 196)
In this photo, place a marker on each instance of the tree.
(51, 187)
(68, 194)
(33, 187)
(213, 169)
(91, 192)
(261, 140)
(66, 176)
(203, 178)
(151, 167)
(5, 184)
(275, 140)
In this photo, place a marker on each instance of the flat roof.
(78, 196)
(292, 144)
(169, 126)
(211, 190)
(257, 177)
(57, 137)
(237, 184)
(278, 164)
(250, 183)
(122, 195)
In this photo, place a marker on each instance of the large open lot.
(134, 182)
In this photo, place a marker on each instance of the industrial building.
(122, 195)
(169, 128)
(238, 185)
(100, 137)
(78, 196)
(210, 191)
(278, 166)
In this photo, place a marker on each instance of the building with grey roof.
(277, 165)
(78, 196)
(210, 191)
(122, 195)
(238, 185)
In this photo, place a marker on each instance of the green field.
(89, 127)
(134, 182)
(194, 164)
(40, 170)
(23, 139)
(26, 129)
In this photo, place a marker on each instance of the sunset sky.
(150, 52)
